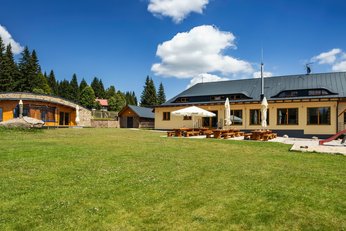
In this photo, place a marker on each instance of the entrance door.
(130, 122)
(210, 122)
(64, 118)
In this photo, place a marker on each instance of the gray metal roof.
(334, 82)
(143, 112)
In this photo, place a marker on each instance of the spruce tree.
(102, 90)
(161, 96)
(25, 72)
(131, 98)
(42, 86)
(53, 83)
(83, 84)
(110, 92)
(75, 94)
(2, 55)
(9, 71)
(98, 88)
(148, 97)
(65, 90)
(36, 77)
(87, 97)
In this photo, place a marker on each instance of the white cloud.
(257, 74)
(328, 57)
(7, 39)
(197, 51)
(178, 10)
(341, 66)
(204, 78)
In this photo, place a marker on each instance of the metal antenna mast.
(262, 77)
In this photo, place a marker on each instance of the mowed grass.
(117, 179)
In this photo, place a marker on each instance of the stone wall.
(84, 113)
(104, 123)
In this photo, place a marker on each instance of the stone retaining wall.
(104, 123)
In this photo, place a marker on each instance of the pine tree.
(131, 98)
(120, 101)
(42, 86)
(148, 97)
(161, 96)
(9, 71)
(65, 90)
(110, 92)
(25, 72)
(83, 84)
(2, 55)
(53, 83)
(75, 94)
(35, 78)
(98, 88)
(87, 97)
(102, 90)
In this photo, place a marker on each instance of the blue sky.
(177, 42)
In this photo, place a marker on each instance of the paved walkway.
(302, 145)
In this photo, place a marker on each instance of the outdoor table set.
(261, 135)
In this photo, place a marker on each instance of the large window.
(0, 114)
(287, 116)
(237, 117)
(166, 116)
(256, 115)
(319, 116)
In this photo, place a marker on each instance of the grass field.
(116, 179)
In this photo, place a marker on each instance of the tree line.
(27, 76)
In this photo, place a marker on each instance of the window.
(0, 114)
(303, 92)
(319, 116)
(187, 118)
(166, 116)
(218, 98)
(287, 116)
(64, 118)
(255, 117)
(237, 117)
(317, 92)
(344, 117)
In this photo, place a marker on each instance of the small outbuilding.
(136, 117)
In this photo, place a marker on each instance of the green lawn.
(116, 179)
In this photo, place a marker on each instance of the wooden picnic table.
(219, 132)
(179, 132)
(260, 134)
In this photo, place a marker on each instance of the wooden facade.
(53, 111)
(130, 117)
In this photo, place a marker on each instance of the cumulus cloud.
(197, 51)
(328, 57)
(7, 39)
(336, 58)
(257, 74)
(178, 10)
(204, 78)
(340, 66)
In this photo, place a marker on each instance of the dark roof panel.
(143, 112)
(334, 82)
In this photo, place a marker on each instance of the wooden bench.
(237, 134)
(247, 136)
(170, 134)
(191, 133)
(228, 135)
(267, 136)
(274, 135)
(208, 134)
